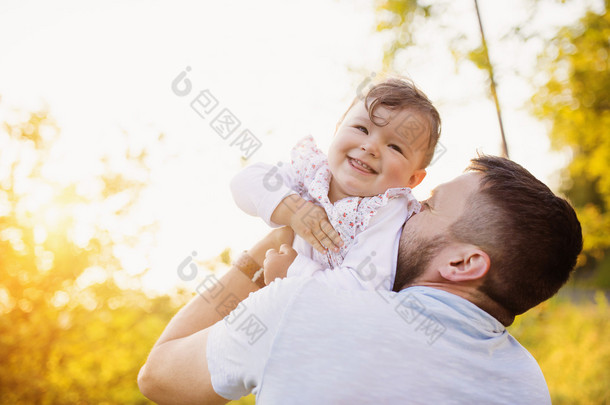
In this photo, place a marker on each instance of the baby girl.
(348, 209)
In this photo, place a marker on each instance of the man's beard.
(414, 256)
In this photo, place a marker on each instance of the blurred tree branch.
(69, 332)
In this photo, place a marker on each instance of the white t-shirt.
(301, 341)
(369, 226)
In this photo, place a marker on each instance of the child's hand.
(311, 223)
(276, 263)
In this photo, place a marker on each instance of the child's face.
(366, 159)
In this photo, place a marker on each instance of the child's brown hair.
(397, 93)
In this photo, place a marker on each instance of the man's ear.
(417, 177)
(465, 263)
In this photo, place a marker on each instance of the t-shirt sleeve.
(259, 188)
(239, 345)
(303, 266)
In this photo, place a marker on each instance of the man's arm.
(176, 371)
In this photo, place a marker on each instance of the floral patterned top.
(349, 216)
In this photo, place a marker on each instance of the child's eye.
(396, 148)
(361, 128)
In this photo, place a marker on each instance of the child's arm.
(370, 263)
(309, 221)
(267, 191)
(259, 188)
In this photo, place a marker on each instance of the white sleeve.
(303, 265)
(239, 345)
(260, 187)
(370, 263)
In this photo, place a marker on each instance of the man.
(486, 247)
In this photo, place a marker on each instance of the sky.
(284, 69)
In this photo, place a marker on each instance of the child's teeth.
(363, 165)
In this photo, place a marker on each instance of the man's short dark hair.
(532, 237)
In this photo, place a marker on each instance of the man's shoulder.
(282, 289)
(311, 292)
(289, 283)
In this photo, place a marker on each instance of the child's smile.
(367, 159)
(360, 166)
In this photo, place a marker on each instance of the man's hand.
(282, 236)
(172, 375)
(276, 263)
(273, 240)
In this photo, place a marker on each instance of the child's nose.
(370, 147)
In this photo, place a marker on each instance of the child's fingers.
(333, 235)
(317, 245)
(324, 238)
(325, 241)
(313, 241)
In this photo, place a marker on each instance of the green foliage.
(72, 332)
(478, 56)
(404, 18)
(570, 343)
(68, 333)
(401, 17)
(575, 101)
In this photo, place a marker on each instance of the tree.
(70, 330)
(406, 19)
(403, 17)
(575, 100)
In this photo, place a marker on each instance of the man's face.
(425, 235)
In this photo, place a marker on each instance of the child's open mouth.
(360, 166)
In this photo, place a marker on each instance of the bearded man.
(487, 246)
